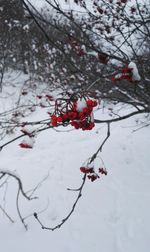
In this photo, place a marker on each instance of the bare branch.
(6, 214)
(122, 117)
(101, 146)
(80, 189)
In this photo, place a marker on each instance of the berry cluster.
(126, 74)
(79, 114)
(25, 145)
(92, 175)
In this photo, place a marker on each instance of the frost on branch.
(28, 130)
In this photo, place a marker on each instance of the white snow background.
(113, 214)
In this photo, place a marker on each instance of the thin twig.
(69, 214)
(18, 210)
(101, 146)
(8, 216)
(32, 191)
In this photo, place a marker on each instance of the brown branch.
(41, 211)
(2, 176)
(101, 146)
(122, 117)
(3, 172)
(20, 189)
(18, 137)
(80, 189)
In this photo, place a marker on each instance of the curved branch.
(122, 117)
(69, 214)
(13, 175)
(18, 137)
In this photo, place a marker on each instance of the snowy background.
(113, 212)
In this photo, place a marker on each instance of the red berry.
(72, 115)
(93, 177)
(65, 117)
(102, 171)
(91, 125)
(87, 111)
(25, 145)
(91, 103)
(94, 103)
(54, 120)
(75, 124)
(86, 170)
(81, 115)
(74, 106)
(59, 119)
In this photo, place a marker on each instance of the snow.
(28, 142)
(81, 104)
(135, 73)
(11, 173)
(121, 41)
(28, 129)
(65, 5)
(113, 212)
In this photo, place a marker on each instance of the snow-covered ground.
(113, 213)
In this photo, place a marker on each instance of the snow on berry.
(28, 130)
(129, 73)
(126, 74)
(27, 142)
(81, 104)
(135, 73)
